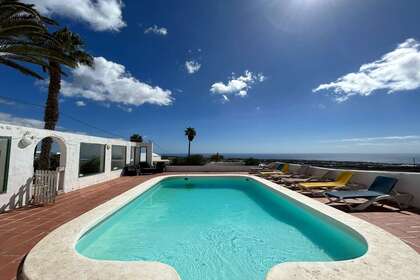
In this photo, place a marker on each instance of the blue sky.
(243, 73)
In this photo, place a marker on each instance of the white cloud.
(192, 66)
(237, 85)
(381, 144)
(80, 103)
(376, 139)
(8, 118)
(156, 30)
(126, 109)
(101, 15)
(7, 102)
(398, 70)
(108, 81)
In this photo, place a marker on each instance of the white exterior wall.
(21, 161)
(408, 182)
(156, 157)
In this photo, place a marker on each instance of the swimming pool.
(219, 228)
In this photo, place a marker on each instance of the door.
(4, 162)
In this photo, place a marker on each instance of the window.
(135, 153)
(92, 159)
(138, 155)
(132, 155)
(4, 162)
(118, 157)
(143, 154)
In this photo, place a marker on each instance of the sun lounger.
(323, 177)
(300, 173)
(380, 190)
(340, 182)
(281, 169)
(272, 166)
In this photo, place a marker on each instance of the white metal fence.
(45, 186)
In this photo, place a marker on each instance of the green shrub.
(252, 161)
(195, 160)
(216, 157)
(192, 160)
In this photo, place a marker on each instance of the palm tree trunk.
(189, 148)
(51, 112)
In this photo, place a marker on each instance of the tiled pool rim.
(55, 255)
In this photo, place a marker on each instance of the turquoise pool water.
(224, 228)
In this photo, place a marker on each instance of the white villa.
(17, 150)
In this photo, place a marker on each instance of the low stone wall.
(210, 168)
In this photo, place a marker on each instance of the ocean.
(395, 158)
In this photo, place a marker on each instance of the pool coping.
(387, 258)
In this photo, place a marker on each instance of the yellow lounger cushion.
(322, 185)
(272, 172)
(340, 182)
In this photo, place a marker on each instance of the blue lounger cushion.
(353, 194)
(280, 166)
(381, 186)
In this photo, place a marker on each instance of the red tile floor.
(21, 229)
(403, 224)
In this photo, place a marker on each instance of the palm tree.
(190, 133)
(24, 38)
(72, 46)
(136, 138)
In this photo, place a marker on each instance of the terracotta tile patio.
(21, 229)
(403, 224)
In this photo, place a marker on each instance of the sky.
(251, 76)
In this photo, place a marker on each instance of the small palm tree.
(136, 138)
(24, 38)
(72, 46)
(190, 133)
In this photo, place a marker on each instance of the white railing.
(45, 186)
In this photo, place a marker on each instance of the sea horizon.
(390, 158)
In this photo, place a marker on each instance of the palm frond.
(36, 50)
(25, 58)
(72, 46)
(20, 68)
(24, 37)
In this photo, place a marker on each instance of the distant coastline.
(394, 158)
(402, 162)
